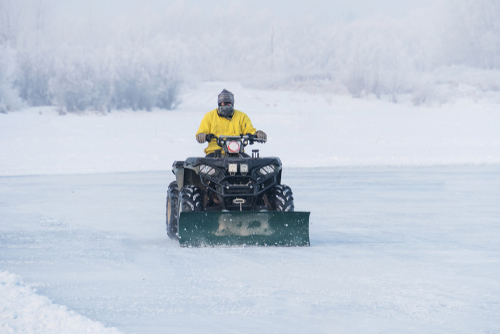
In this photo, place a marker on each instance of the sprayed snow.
(23, 311)
(304, 130)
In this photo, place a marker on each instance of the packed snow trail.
(397, 250)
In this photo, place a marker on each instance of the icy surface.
(304, 130)
(393, 250)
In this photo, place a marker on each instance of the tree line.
(138, 60)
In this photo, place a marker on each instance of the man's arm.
(246, 126)
(203, 129)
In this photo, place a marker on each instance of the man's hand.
(261, 135)
(201, 138)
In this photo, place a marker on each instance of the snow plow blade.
(237, 228)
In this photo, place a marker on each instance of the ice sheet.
(412, 250)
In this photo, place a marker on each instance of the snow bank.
(304, 130)
(23, 311)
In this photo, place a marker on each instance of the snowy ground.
(412, 250)
(405, 222)
(304, 129)
(23, 311)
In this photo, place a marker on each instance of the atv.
(233, 199)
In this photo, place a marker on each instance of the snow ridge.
(23, 311)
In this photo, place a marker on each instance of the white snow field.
(405, 221)
(304, 129)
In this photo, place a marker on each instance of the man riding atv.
(225, 120)
(229, 198)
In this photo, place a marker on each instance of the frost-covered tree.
(9, 96)
(81, 82)
(10, 13)
(473, 35)
(35, 69)
(92, 60)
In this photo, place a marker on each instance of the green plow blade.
(237, 228)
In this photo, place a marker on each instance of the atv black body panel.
(249, 186)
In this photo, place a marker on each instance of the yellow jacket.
(239, 124)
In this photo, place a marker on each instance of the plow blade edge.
(202, 229)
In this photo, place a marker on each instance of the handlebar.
(246, 139)
(209, 137)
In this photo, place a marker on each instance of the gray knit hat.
(225, 96)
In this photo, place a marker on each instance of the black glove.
(201, 138)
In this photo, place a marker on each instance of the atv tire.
(172, 210)
(190, 199)
(281, 198)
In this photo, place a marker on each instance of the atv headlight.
(232, 168)
(244, 168)
(266, 170)
(207, 170)
(233, 147)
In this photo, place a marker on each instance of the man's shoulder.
(211, 112)
(239, 113)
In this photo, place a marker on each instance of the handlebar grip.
(253, 138)
(209, 137)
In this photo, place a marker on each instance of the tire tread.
(281, 198)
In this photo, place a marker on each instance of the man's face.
(225, 103)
